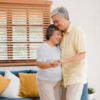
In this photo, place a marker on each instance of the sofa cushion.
(16, 99)
(13, 88)
(32, 71)
(85, 92)
(14, 72)
(28, 85)
(3, 83)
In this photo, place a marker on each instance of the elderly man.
(73, 55)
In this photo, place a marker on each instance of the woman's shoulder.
(42, 46)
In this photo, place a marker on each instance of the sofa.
(83, 97)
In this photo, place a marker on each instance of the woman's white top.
(46, 53)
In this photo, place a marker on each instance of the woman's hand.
(55, 63)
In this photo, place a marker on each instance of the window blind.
(22, 30)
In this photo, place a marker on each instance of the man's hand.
(63, 61)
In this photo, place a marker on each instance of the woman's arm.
(45, 65)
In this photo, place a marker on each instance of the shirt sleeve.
(42, 54)
(80, 41)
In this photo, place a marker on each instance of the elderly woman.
(49, 76)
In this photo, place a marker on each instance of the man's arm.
(77, 57)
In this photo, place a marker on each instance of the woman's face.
(56, 37)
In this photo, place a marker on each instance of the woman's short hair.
(50, 30)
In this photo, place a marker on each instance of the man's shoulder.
(77, 30)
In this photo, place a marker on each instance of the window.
(22, 30)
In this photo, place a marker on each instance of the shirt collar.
(69, 28)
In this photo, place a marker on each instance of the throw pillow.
(3, 83)
(13, 88)
(28, 85)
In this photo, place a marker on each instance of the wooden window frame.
(26, 62)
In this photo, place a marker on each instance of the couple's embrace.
(62, 59)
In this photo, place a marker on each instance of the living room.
(31, 18)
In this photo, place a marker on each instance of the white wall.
(85, 13)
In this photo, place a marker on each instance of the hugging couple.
(62, 59)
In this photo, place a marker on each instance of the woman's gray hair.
(61, 11)
(50, 30)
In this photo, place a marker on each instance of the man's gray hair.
(61, 11)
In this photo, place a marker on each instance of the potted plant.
(90, 93)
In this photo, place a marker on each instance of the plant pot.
(90, 96)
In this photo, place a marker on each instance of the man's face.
(59, 22)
